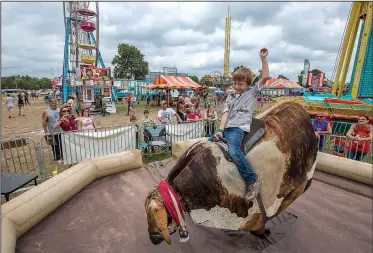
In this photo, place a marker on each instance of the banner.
(185, 131)
(321, 79)
(89, 72)
(316, 80)
(88, 95)
(306, 69)
(78, 146)
(309, 78)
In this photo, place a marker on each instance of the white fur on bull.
(212, 190)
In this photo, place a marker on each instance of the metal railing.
(58, 151)
(340, 145)
(21, 155)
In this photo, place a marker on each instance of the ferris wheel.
(81, 47)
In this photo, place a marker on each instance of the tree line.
(128, 63)
(25, 82)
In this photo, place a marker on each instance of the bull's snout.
(156, 237)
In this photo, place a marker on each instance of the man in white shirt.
(165, 114)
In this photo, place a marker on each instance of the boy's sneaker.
(252, 191)
(184, 234)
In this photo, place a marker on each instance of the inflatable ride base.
(100, 205)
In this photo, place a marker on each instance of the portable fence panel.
(52, 153)
(78, 146)
(184, 131)
(20, 155)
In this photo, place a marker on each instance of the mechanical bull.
(282, 149)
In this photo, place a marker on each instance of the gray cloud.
(189, 36)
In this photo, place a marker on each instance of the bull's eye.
(155, 237)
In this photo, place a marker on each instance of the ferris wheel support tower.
(81, 46)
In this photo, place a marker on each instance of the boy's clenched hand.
(263, 53)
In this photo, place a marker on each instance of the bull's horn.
(166, 236)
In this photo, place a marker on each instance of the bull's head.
(160, 223)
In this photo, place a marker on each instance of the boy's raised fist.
(263, 52)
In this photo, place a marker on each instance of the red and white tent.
(174, 82)
(279, 83)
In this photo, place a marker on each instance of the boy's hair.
(243, 74)
(146, 111)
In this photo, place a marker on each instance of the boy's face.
(240, 86)
(146, 115)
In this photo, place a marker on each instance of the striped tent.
(174, 82)
(279, 83)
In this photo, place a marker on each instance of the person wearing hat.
(322, 127)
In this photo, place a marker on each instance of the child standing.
(147, 120)
(133, 115)
(237, 117)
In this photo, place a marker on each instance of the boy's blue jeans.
(234, 136)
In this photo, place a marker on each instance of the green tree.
(238, 67)
(25, 82)
(129, 63)
(44, 83)
(194, 78)
(300, 77)
(316, 71)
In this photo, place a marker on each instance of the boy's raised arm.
(265, 68)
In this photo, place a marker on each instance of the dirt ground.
(30, 125)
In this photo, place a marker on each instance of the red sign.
(315, 80)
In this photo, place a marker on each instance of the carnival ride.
(84, 70)
(216, 78)
(358, 98)
(227, 48)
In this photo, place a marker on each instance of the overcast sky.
(189, 36)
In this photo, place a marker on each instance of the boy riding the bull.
(237, 118)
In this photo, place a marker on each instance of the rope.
(341, 44)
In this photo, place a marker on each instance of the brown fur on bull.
(211, 188)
